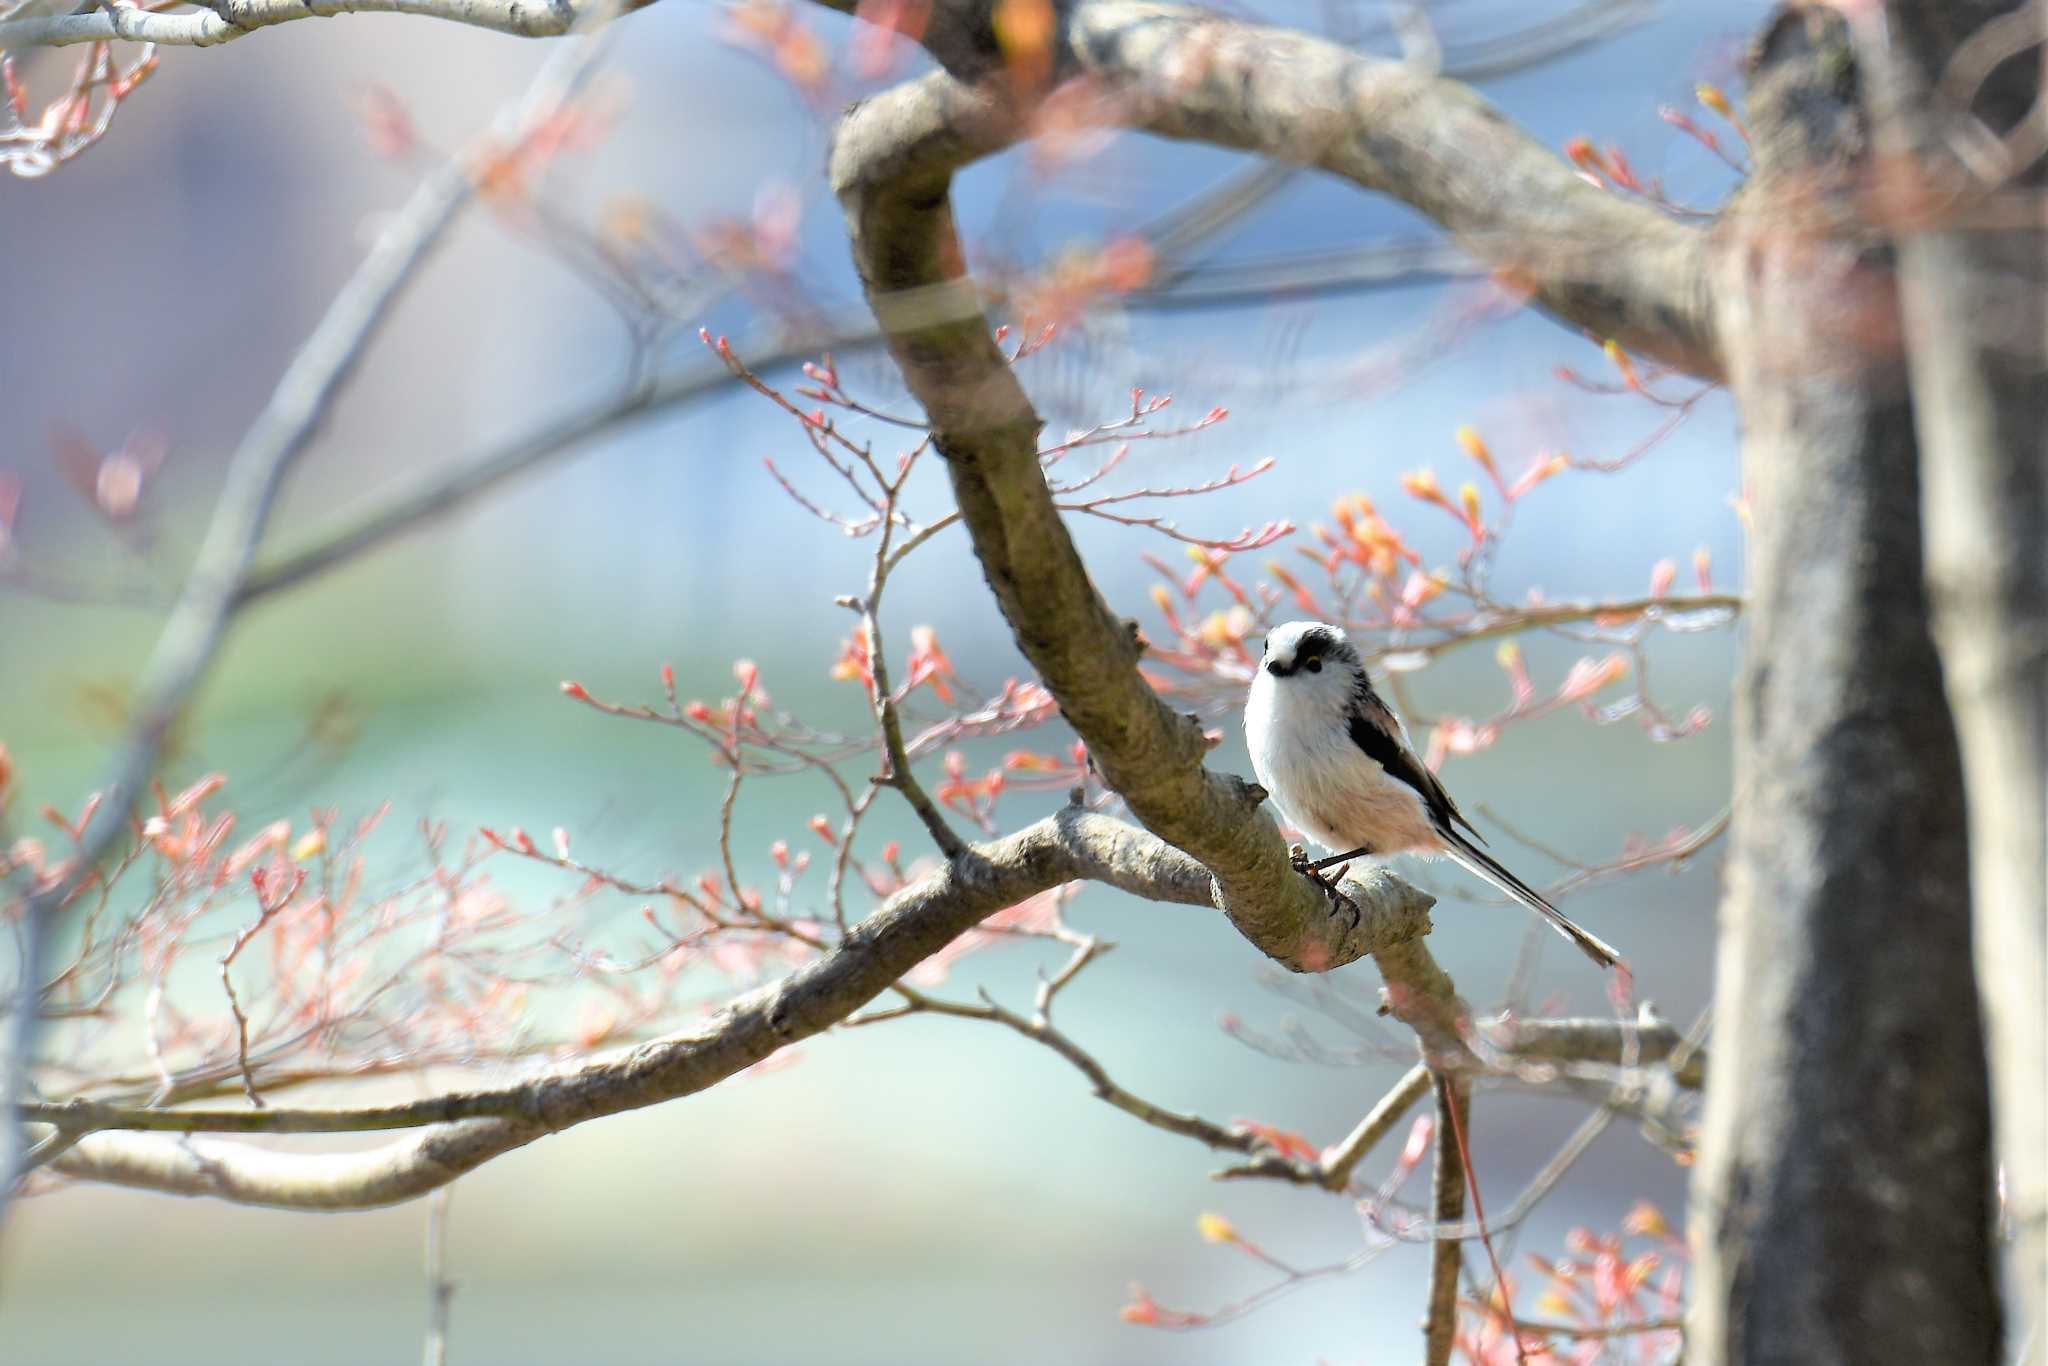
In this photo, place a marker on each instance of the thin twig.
(1377, 1124)
(440, 1290)
(210, 596)
(1589, 1332)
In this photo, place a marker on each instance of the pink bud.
(1419, 1134)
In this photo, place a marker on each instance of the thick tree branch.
(1189, 74)
(200, 618)
(892, 167)
(1608, 267)
(1612, 268)
(1608, 1043)
(466, 1129)
(226, 20)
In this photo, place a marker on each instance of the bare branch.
(1613, 268)
(1447, 1207)
(199, 620)
(210, 595)
(440, 1290)
(1609, 267)
(226, 20)
(462, 1130)
(1175, 236)
(437, 493)
(1334, 1172)
(893, 162)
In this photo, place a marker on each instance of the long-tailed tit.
(1338, 765)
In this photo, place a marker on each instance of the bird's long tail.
(1483, 865)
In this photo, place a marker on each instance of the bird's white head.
(1311, 662)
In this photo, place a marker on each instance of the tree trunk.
(1975, 303)
(1842, 1210)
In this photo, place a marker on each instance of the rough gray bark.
(1975, 300)
(1842, 1198)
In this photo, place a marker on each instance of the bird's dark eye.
(1314, 664)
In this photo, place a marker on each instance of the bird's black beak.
(1273, 668)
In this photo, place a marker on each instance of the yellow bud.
(1509, 655)
(309, 844)
(1468, 497)
(1475, 447)
(1215, 1228)
(1621, 361)
(1421, 483)
(1712, 98)
(1160, 597)
(1645, 1220)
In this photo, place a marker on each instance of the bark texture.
(465, 1129)
(1842, 1208)
(1974, 283)
(892, 168)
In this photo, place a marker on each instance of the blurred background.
(926, 1190)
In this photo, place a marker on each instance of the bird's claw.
(1298, 857)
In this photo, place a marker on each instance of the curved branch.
(227, 20)
(892, 167)
(1609, 267)
(463, 1130)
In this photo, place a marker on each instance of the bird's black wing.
(1374, 730)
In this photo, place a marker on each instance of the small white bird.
(1337, 763)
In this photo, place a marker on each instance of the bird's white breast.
(1298, 731)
